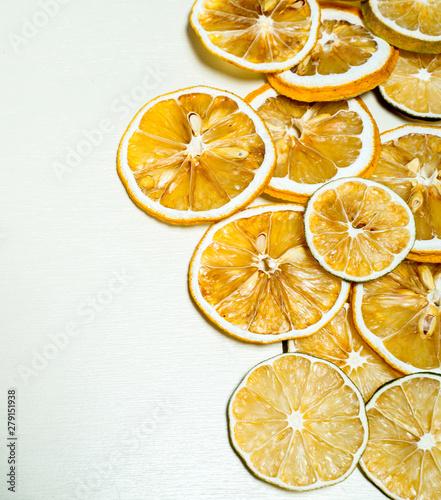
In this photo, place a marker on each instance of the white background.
(134, 406)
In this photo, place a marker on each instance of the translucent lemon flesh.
(313, 141)
(411, 166)
(196, 152)
(259, 275)
(341, 344)
(297, 422)
(267, 31)
(358, 229)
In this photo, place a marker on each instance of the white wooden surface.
(133, 406)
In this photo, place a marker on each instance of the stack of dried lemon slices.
(349, 271)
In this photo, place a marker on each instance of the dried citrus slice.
(264, 35)
(399, 316)
(408, 24)
(198, 154)
(341, 344)
(358, 229)
(339, 139)
(410, 164)
(346, 61)
(403, 456)
(254, 277)
(298, 422)
(414, 87)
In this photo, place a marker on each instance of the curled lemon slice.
(414, 87)
(408, 24)
(341, 344)
(346, 61)
(298, 422)
(410, 164)
(316, 142)
(399, 316)
(264, 35)
(254, 277)
(403, 456)
(358, 229)
(198, 154)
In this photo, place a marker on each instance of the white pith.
(374, 63)
(264, 67)
(399, 257)
(260, 175)
(297, 422)
(365, 157)
(233, 329)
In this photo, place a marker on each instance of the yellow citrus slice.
(358, 229)
(264, 35)
(194, 155)
(298, 422)
(408, 24)
(255, 278)
(399, 316)
(340, 139)
(410, 164)
(346, 61)
(403, 456)
(341, 344)
(414, 87)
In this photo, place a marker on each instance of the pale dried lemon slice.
(408, 24)
(316, 142)
(341, 344)
(264, 35)
(399, 316)
(414, 87)
(346, 61)
(403, 456)
(198, 154)
(410, 164)
(298, 422)
(255, 278)
(357, 229)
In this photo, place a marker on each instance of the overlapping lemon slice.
(198, 154)
(316, 142)
(399, 316)
(346, 61)
(410, 164)
(408, 24)
(414, 87)
(254, 277)
(403, 456)
(264, 35)
(298, 422)
(358, 229)
(341, 344)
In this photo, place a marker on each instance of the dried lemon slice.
(341, 344)
(414, 87)
(316, 142)
(268, 35)
(198, 154)
(410, 164)
(358, 229)
(403, 456)
(408, 24)
(298, 422)
(346, 61)
(399, 316)
(254, 277)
